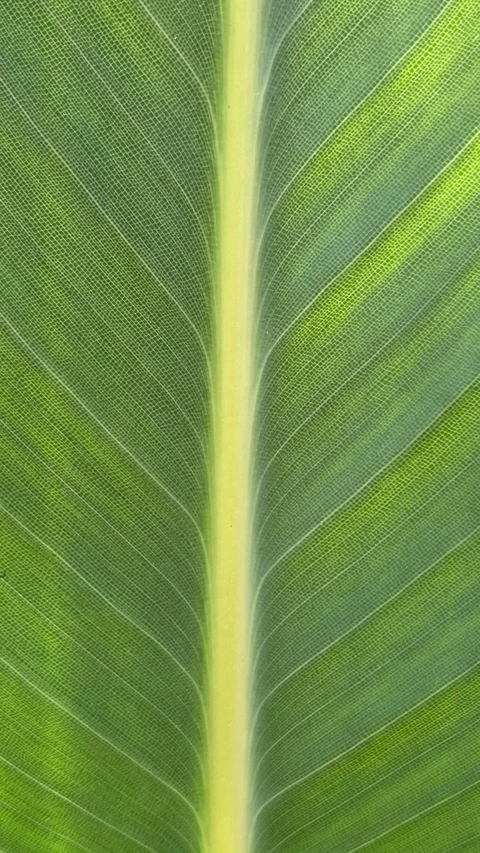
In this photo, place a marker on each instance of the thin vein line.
(277, 47)
(370, 303)
(371, 358)
(106, 740)
(415, 816)
(377, 781)
(363, 251)
(106, 274)
(76, 805)
(112, 331)
(411, 515)
(135, 124)
(107, 601)
(190, 68)
(113, 787)
(368, 737)
(44, 826)
(397, 136)
(369, 551)
(132, 655)
(106, 430)
(112, 527)
(460, 844)
(356, 108)
(352, 630)
(349, 435)
(366, 483)
(109, 220)
(343, 572)
(306, 79)
(104, 665)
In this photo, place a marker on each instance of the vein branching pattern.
(240, 426)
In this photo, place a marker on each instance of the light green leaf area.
(108, 187)
(367, 702)
(362, 326)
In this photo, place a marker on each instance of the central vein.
(229, 654)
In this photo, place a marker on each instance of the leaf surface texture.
(364, 565)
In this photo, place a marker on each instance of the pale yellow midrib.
(228, 782)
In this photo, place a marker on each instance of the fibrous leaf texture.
(239, 426)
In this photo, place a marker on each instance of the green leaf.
(239, 426)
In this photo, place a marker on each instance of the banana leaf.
(239, 426)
